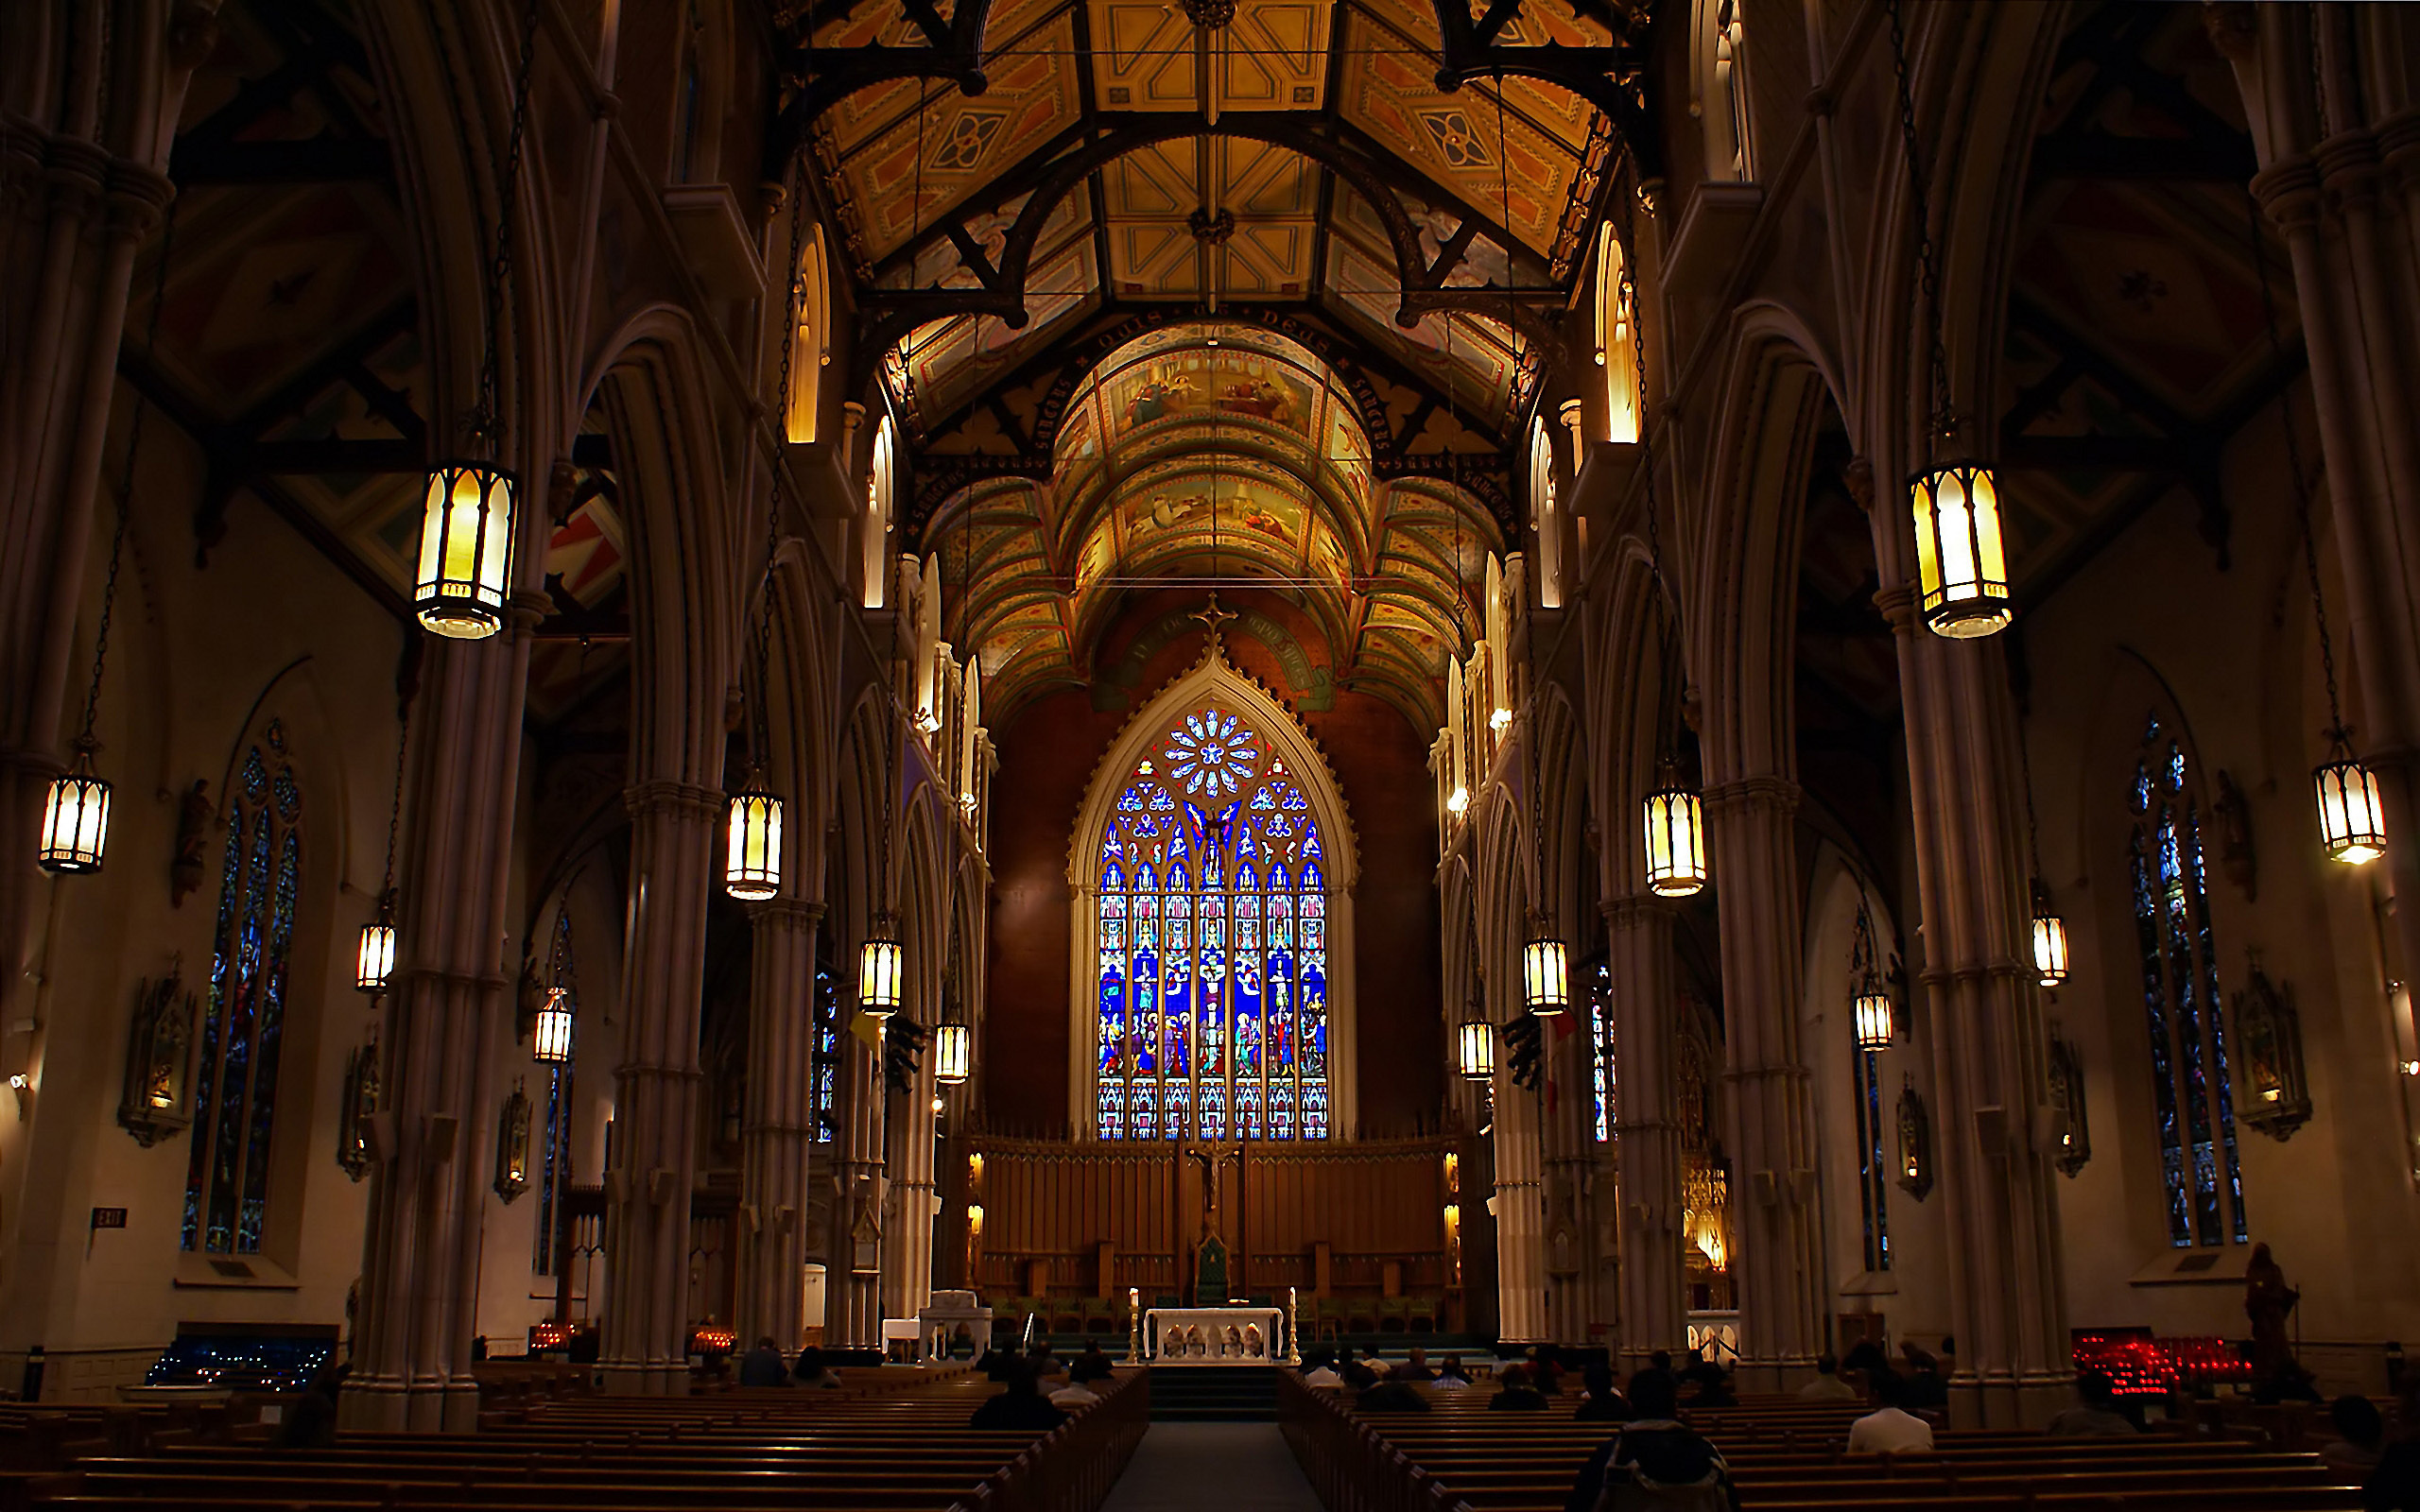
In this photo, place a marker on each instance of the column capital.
(2348, 167)
(665, 795)
(1634, 909)
(797, 913)
(2398, 138)
(1991, 969)
(1898, 606)
(1751, 793)
(2288, 189)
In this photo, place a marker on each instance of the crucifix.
(1212, 616)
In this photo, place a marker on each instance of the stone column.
(1568, 1144)
(1518, 1204)
(778, 1136)
(656, 1088)
(1978, 1020)
(908, 1230)
(73, 213)
(449, 1017)
(1647, 1137)
(1770, 1113)
(2355, 288)
(855, 1304)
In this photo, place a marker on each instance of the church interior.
(1229, 680)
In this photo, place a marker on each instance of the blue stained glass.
(227, 1195)
(1213, 1035)
(2193, 1095)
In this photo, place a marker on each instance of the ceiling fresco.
(1203, 451)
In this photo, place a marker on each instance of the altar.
(1214, 1335)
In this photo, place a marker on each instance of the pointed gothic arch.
(1284, 756)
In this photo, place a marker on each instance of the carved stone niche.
(2277, 1097)
(158, 1097)
(1915, 1142)
(2071, 1133)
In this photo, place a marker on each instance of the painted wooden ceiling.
(1203, 451)
(1374, 250)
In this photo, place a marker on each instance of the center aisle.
(1212, 1467)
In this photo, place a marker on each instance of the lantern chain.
(84, 742)
(1535, 737)
(1668, 737)
(763, 753)
(2337, 731)
(487, 418)
(395, 809)
(1927, 264)
(2025, 774)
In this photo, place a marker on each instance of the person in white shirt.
(1321, 1373)
(1827, 1384)
(1072, 1396)
(1887, 1430)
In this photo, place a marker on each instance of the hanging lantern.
(953, 1053)
(465, 549)
(374, 962)
(2352, 828)
(550, 1040)
(879, 970)
(1546, 977)
(2050, 939)
(1476, 1043)
(1876, 1025)
(752, 872)
(1675, 838)
(1960, 559)
(76, 822)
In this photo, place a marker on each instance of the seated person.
(1889, 1429)
(1545, 1369)
(1827, 1384)
(764, 1366)
(810, 1371)
(1699, 1371)
(1415, 1368)
(1451, 1376)
(1074, 1395)
(2095, 1414)
(2396, 1481)
(1602, 1403)
(1654, 1460)
(1317, 1371)
(1927, 1384)
(1516, 1394)
(1090, 1366)
(1376, 1364)
(1393, 1396)
(1020, 1405)
(2360, 1438)
(1358, 1374)
(1714, 1388)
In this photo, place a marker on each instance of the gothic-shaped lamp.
(1675, 837)
(2352, 828)
(1546, 970)
(550, 1036)
(880, 969)
(752, 871)
(2050, 939)
(1475, 1044)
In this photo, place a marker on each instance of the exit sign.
(108, 1217)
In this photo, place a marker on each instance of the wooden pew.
(1784, 1453)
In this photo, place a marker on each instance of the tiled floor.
(1216, 1468)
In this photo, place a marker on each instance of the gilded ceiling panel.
(1148, 57)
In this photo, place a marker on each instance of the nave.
(1206, 682)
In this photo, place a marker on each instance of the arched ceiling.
(1206, 452)
(1185, 293)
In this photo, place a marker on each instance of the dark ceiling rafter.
(216, 151)
(821, 78)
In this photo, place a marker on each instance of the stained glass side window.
(827, 1049)
(2194, 1096)
(1212, 932)
(1600, 1042)
(1873, 1170)
(243, 1029)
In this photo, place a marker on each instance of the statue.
(193, 833)
(2267, 1300)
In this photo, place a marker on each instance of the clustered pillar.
(1773, 1144)
(1647, 1134)
(656, 1088)
(777, 1136)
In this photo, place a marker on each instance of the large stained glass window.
(243, 1027)
(2194, 1096)
(1212, 938)
(1601, 1042)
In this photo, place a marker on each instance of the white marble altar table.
(1214, 1335)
